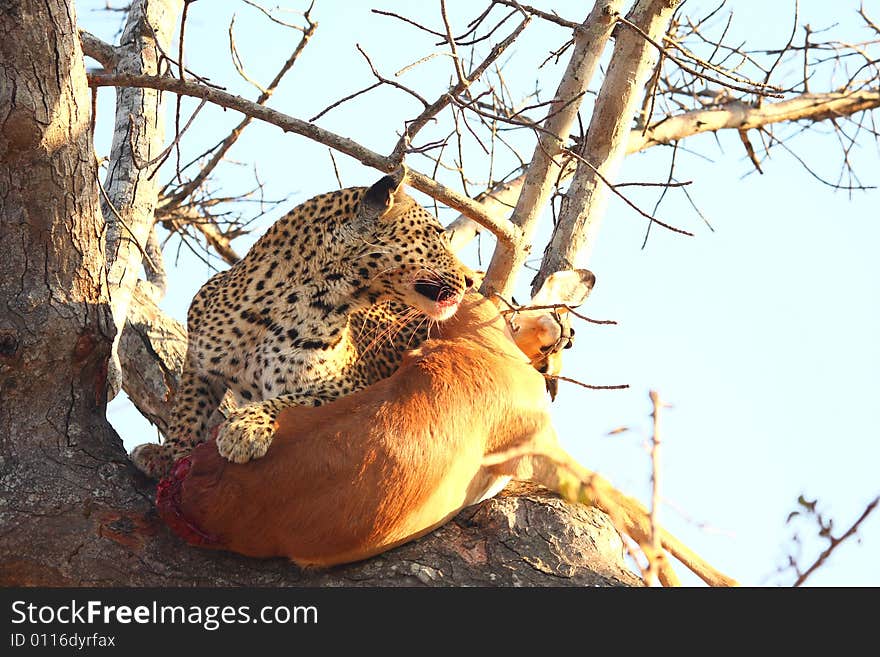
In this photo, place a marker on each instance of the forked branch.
(503, 229)
(589, 43)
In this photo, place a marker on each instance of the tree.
(80, 513)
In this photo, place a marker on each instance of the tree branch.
(139, 134)
(604, 147)
(464, 81)
(731, 115)
(589, 43)
(503, 229)
(836, 542)
(175, 218)
(154, 267)
(738, 115)
(181, 193)
(101, 51)
(152, 350)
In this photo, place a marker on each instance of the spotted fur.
(295, 315)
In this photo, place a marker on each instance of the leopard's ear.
(379, 198)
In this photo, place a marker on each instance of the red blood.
(168, 504)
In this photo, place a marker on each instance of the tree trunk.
(59, 453)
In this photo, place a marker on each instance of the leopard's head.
(403, 252)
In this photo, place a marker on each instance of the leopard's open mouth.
(439, 292)
(445, 298)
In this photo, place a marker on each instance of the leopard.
(541, 334)
(293, 318)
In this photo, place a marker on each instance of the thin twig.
(224, 146)
(147, 261)
(835, 542)
(557, 377)
(758, 88)
(601, 177)
(278, 20)
(552, 306)
(656, 547)
(430, 112)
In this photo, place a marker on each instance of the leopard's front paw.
(247, 433)
(153, 459)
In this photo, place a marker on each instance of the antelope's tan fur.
(348, 480)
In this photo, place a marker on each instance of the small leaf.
(804, 502)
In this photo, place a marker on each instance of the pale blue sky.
(762, 334)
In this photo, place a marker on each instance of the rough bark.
(544, 168)
(525, 537)
(57, 449)
(152, 350)
(605, 145)
(130, 195)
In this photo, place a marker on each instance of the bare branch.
(223, 148)
(98, 50)
(497, 202)
(430, 112)
(732, 115)
(590, 40)
(553, 18)
(175, 218)
(750, 150)
(604, 148)
(557, 377)
(835, 542)
(758, 88)
(614, 188)
(740, 116)
(557, 470)
(345, 99)
(385, 80)
(456, 60)
(154, 267)
(515, 309)
(152, 351)
(407, 20)
(656, 553)
(277, 20)
(236, 60)
(504, 230)
(138, 137)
